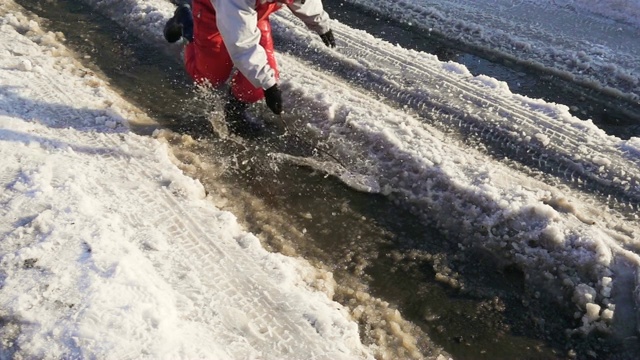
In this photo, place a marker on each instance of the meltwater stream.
(381, 256)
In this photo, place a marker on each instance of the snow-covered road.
(562, 207)
(588, 41)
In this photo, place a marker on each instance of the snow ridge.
(559, 241)
(539, 134)
(485, 203)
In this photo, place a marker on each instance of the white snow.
(101, 231)
(108, 251)
(621, 10)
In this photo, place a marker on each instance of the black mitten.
(180, 25)
(273, 98)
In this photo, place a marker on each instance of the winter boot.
(238, 122)
(181, 24)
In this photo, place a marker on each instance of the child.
(228, 34)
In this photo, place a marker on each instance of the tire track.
(532, 49)
(255, 306)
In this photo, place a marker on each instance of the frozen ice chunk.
(593, 313)
(25, 65)
(542, 139)
(607, 314)
(583, 294)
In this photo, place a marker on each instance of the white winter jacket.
(237, 22)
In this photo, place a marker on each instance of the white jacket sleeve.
(312, 14)
(237, 22)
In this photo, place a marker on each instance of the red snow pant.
(208, 61)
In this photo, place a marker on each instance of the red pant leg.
(240, 86)
(206, 58)
(208, 62)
